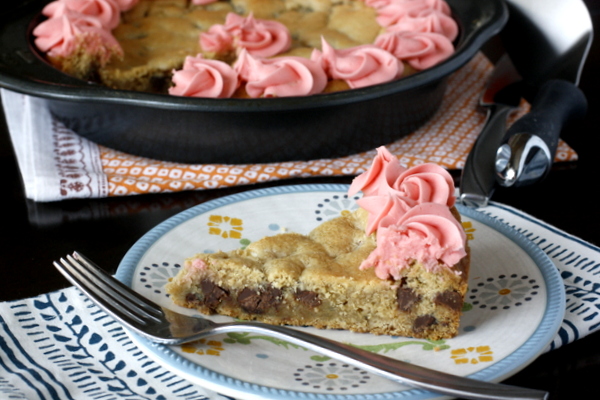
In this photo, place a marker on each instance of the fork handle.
(396, 370)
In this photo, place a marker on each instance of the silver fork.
(161, 325)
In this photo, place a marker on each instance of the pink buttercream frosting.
(359, 66)
(421, 50)
(391, 194)
(427, 232)
(409, 5)
(420, 184)
(280, 76)
(60, 36)
(377, 180)
(425, 20)
(204, 78)
(384, 208)
(108, 12)
(217, 40)
(202, 2)
(261, 38)
(426, 183)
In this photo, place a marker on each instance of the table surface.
(35, 234)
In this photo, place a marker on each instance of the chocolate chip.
(192, 298)
(451, 299)
(423, 322)
(406, 298)
(308, 298)
(258, 302)
(213, 294)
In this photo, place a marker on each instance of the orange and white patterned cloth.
(58, 164)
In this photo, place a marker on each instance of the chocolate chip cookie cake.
(327, 45)
(398, 265)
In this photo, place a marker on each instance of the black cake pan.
(236, 131)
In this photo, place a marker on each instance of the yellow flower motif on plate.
(469, 230)
(226, 227)
(203, 347)
(472, 355)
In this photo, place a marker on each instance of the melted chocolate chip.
(213, 294)
(423, 322)
(451, 299)
(192, 298)
(308, 298)
(406, 298)
(255, 302)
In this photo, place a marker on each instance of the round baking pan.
(194, 130)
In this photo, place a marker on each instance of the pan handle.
(530, 144)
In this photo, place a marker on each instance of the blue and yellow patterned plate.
(514, 306)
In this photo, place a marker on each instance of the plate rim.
(534, 345)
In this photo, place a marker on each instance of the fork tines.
(108, 293)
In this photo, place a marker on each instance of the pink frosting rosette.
(359, 66)
(427, 232)
(107, 12)
(389, 189)
(439, 5)
(383, 210)
(421, 50)
(60, 36)
(202, 2)
(216, 40)
(391, 11)
(426, 183)
(378, 179)
(261, 38)
(280, 77)
(427, 20)
(204, 78)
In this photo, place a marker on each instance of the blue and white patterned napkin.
(60, 346)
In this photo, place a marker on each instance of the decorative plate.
(514, 305)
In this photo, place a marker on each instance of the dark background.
(35, 234)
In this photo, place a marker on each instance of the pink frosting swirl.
(426, 183)
(427, 232)
(60, 36)
(107, 12)
(383, 210)
(421, 50)
(281, 76)
(202, 2)
(204, 78)
(378, 179)
(261, 38)
(390, 190)
(439, 5)
(359, 66)
(426, 20)
(216, 40)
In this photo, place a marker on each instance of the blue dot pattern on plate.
(334, 206)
